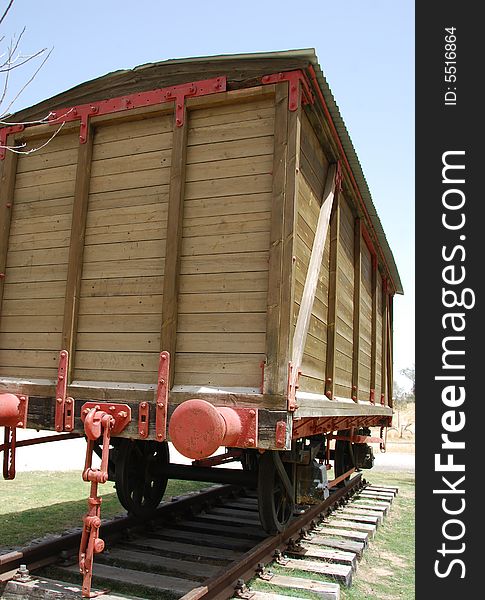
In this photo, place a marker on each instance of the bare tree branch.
(5, 12)
(27, 83)
(13, 58)
(18, 149)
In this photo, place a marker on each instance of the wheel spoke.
(140, 484)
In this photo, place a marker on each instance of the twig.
(5, 12)
(17, 149)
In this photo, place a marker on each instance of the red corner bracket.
(294, 79)
(4, 133)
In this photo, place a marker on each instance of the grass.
(386, 571)
(36, 504)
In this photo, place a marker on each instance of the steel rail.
(46, 552)
(222, 587)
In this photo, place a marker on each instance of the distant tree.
(410, 374)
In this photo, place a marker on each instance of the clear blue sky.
(366, 50)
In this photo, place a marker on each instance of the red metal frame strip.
(61, 389)
(337, 480)
(44, 440)
(4, 133)
(162, 396)
(308, 426)
(143, 419)
(175, 93)
(356, 439)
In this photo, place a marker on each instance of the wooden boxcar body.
(177, 209)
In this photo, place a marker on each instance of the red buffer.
(197, 428)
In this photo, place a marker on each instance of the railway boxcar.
(189, 251)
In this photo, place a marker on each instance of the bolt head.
(160, 404)
(68, 427)
(143, 404)
(162, 381)
(251, 441)
(59, 400)
(160, 435)
(252, 412)
(20, 424)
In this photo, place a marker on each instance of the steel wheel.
(275, 501)
(344, 456)
(139, 481)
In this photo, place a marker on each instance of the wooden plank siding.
(124, 253)
(345, 303)
(37, 259)
(378, 293)
(314, 356)
(196, 240)
(222, 300)
(365, 349)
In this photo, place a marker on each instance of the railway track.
(208, 546)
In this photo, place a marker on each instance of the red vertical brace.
(162, 396)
